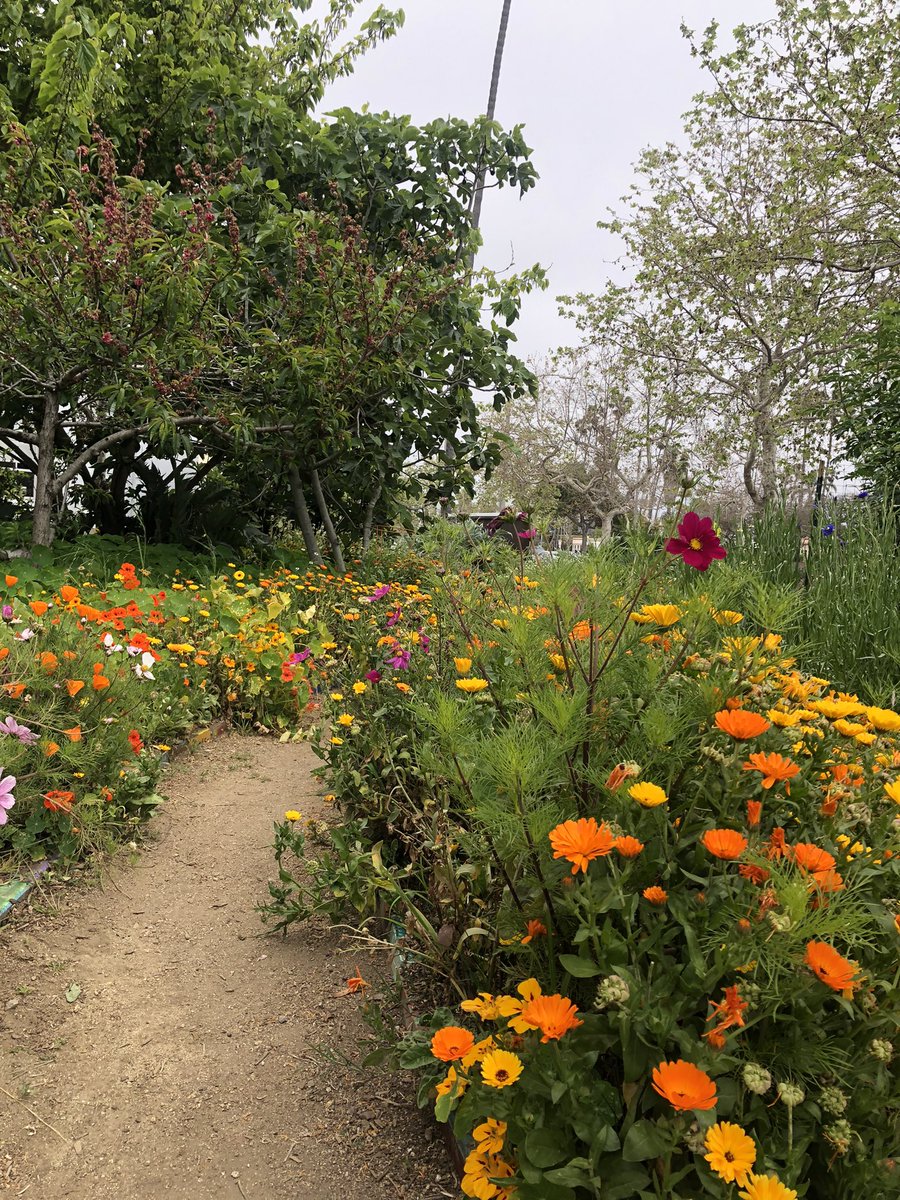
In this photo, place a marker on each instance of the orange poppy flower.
(69, 654)
(74, 686)
(628, 847)
(51, 748)
(811, 858)
(684, 1085)
(773, 769)
(68, 593)
(581, 841)
(724, 843)
(451, 1043)
(831, 968)
(14, 690)
(73, 734)
(12, 580)
(99, 682)
(741, 724)
(552, 1015)
(754, 812)
(49, 661)
(4, 652)
(38, 607)
(656, 895)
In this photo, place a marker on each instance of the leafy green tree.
(869, 388)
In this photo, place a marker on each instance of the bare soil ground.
(199, 1061)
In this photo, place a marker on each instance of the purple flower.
(526, 535)
(299, 657)
(378, 594)
(424, 642)
(7, 612)
(400, 660)
(394, 617)
(12, 727)
(373, 676)
(7, 799)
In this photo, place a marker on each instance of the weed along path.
(154, 1046)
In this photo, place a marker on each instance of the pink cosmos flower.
(697, 543)
(7, 799)
(12, 727)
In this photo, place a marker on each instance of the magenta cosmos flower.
(697, 543)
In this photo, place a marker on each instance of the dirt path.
(199, 1062)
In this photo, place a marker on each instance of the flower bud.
(833, 1100)
(791, 1094)
(756, 1079)
(840, 1135)
(695, 1139)
(882, 1050)
(612, 990)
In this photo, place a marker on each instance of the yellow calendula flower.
(865, 739)
(784, 719)
(727, 616)
(731, 1153)
(558, 661)
(337, 695)
(893, 790)
(329, 645)
(292, 815)
(833, 709)
(885, 720)
(403, 687)
(337, 741)
(346, 719)
(663, 615)
(489, 1135)
(359, 688)
(452, 1084)
(484, 1005)
(500, 1068)
(648, 795)
(472, 685)
(766, 1187)
(463, 665)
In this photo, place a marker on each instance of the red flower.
(134, 740)
(698, 543)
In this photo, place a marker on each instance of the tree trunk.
(330, 531)
(370, 517)
(44, 490)
(303, 519)
(492, 105)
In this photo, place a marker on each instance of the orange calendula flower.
(655, 895)
(684, 1085)
(472, 685)
(730, 1013)
(552, 1015)
(59, 801)
(777, 847)
(741, 724)
(356, 983)
(535, 929)
(581, 632)
(811, 858)
(628, 847)
(773, 769)
(451, 1043)
(510, 1007)
(724, 843)
(831, 968)
(754, 812)
(581, 841)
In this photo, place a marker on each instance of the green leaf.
(73, 991)
(579, 968)
(545, 1147)
(643, 1141)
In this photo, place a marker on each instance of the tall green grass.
(847, 625)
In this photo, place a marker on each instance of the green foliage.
(870, 392)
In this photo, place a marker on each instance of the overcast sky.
(593, 81)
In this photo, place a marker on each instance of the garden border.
(14, 891)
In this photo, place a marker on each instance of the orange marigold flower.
(535, 929)
(724, 843)
(552, 1015)
(754, 812)
(656, 895)
(580, 841)
(684, 1085)
(628, 847)
(741, 724)
(832, 968)
(451, 1043)
(773, 768)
